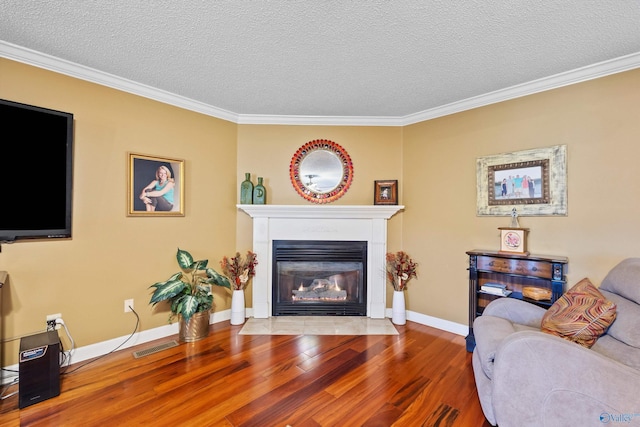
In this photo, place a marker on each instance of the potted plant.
(239, 271)
(400, 269)
(189, 295)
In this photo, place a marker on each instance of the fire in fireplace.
(319, 278)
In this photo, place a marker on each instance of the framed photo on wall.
(534, 182)
(155, 186)
(385, 192)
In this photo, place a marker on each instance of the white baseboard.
(444, 325)
(91, 351)
(434, 322)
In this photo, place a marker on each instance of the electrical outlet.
(51, 321)
(128, 305)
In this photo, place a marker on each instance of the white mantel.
(320, 222)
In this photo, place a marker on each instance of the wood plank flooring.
(421, 377)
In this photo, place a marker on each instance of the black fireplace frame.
(321, 251)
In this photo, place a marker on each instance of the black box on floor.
(39, 368)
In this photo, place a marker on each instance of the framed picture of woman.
(156, 186)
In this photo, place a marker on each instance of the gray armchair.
(526, 377)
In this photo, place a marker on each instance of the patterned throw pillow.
(581, 315)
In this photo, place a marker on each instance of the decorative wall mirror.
(321, 171)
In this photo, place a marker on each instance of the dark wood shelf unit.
(515, 271)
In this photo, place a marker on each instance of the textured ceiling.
(376, 58)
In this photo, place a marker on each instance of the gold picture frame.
(155, 186)
(503, 183)
(385, 192)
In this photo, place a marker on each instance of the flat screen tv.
(36, 160)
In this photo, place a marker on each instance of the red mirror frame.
(309, 194)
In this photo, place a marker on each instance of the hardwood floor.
(421, 377)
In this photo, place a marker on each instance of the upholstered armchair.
(529, 377)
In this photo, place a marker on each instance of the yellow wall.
(112, 257)
(597, 120)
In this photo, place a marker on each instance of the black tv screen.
(36, 160)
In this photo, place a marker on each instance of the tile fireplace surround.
(320, 222)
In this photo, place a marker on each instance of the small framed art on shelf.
(513, 240)
(385, 192)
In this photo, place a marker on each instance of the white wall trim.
(48, 62)
(82, 354)
(434, 322)
(62, 66)
(257, 119)
(590, 72)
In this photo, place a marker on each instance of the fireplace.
(367, 223)
(319, 278)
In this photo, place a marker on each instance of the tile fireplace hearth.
(320, 223)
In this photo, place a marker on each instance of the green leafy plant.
(188, 291)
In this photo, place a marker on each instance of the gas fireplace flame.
(320, 290)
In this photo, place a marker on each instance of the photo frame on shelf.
(385, 192)
(155, 186)
(533, 181)
(513, 240)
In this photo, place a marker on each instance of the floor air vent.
(155, 349)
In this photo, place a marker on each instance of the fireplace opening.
(319, 278)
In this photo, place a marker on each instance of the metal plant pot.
(196, 328)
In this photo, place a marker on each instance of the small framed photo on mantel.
(385, 192)
(513, 240)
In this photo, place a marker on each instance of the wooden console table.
(515, 271)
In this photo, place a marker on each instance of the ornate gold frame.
(553, 197)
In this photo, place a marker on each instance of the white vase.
(237, 307)
(399, 313)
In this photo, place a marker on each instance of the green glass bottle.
(259, 193)
(246, 190)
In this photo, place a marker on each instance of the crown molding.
(590, 72)
(48, 62)
(264, 119)
(52, 63)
